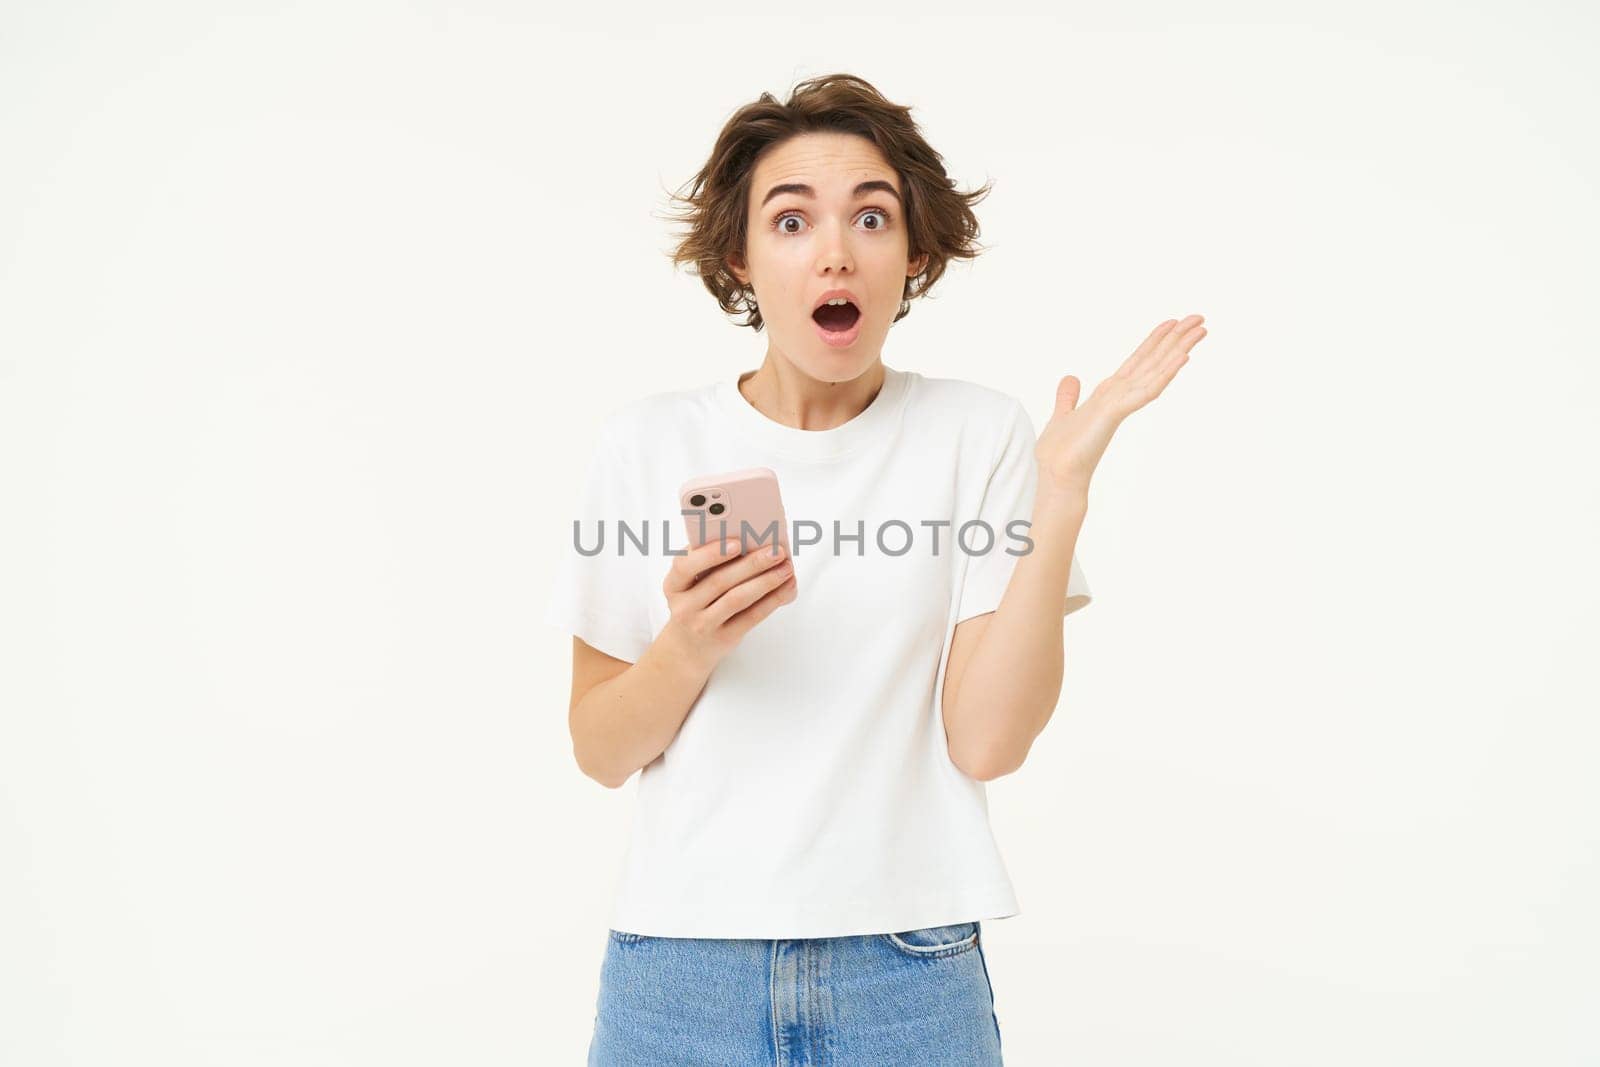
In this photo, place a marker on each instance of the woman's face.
(802, 244)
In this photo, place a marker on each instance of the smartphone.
(744, 505)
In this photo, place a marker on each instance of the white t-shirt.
(809, 791)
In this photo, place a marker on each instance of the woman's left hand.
(1075, 438)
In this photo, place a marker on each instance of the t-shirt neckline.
(790, 441)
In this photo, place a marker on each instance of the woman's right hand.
(718, 593)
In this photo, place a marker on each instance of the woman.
(812, 856)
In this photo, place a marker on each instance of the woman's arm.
(623, 715)
(1008, 663)
(1003, 674)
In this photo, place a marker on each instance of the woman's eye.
(781, 223)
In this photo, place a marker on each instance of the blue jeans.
(919, 997)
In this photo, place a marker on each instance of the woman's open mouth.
(837, 324)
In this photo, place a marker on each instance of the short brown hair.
(939, 218)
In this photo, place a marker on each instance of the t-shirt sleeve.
(599, 596)
(1008, 496)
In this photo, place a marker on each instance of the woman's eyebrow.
(801, 189)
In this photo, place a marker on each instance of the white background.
(307, 317)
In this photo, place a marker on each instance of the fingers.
(714, 583)
(1165, 364)
(1156, 350)
(1178, 355)
(1177, 336)
(738, 587)
(709, 571)
(742, 622)
(1146, 346)
(695, 562)
(1067, 393)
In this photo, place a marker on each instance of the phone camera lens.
(697, 499)
(717, 509)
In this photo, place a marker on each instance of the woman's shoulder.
(647, 417)
(968, 402)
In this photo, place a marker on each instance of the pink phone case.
(749, 495)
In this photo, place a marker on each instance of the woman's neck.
(787, 395)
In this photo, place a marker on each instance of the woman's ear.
(736, 268)
(917, 266)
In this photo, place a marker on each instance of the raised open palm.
(1070, 447)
